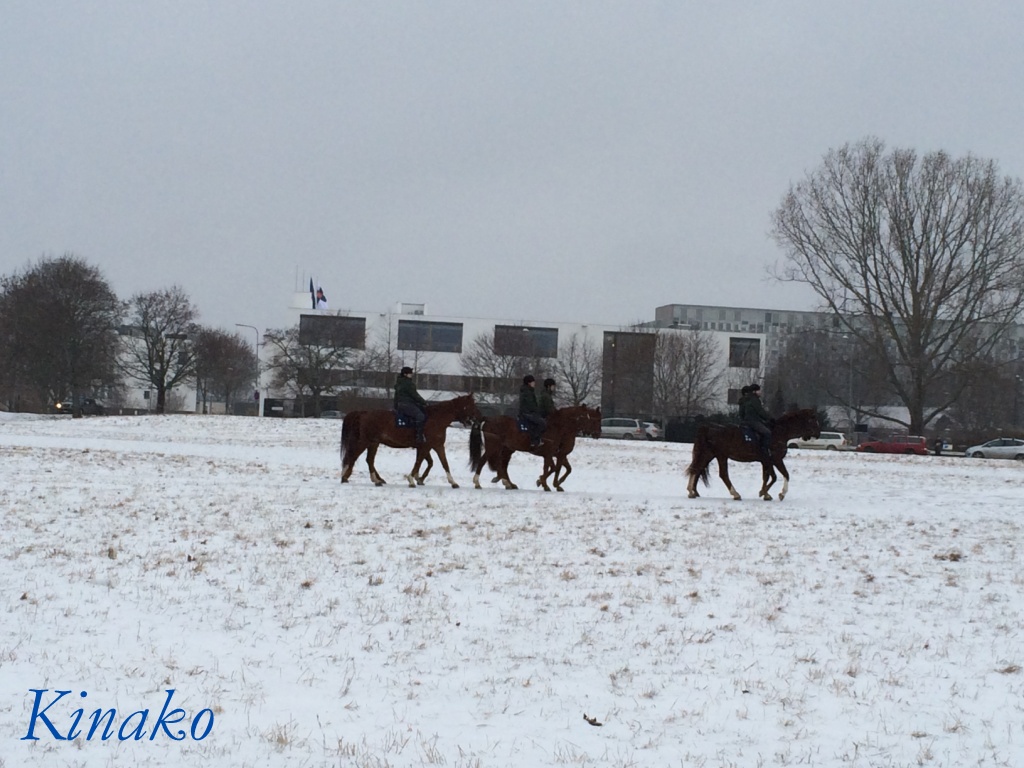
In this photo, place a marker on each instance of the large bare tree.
(578, 370)
(920, 257)
(480, 359)
(305, 370)
(159, 348)
(58, 332)
(686, 373)
(225, 366)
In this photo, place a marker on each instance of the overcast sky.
(576, 161)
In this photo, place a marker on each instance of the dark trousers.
(764, 434)
(415, 413)
(537, 425)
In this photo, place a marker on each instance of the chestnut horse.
(494, 441)
(366, 430)
(724, 442)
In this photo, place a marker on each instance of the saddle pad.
(523, 424)
(401, 420)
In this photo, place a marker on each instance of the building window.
(744, 353)
(525, 341)
(332, 331)
(426, 336)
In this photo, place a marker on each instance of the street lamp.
(259, 389)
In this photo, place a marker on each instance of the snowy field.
(873, 618)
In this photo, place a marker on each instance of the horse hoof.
(560, 489)
(693, 495)
(455, 485)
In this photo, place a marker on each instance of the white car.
(829, 441)
(1000, 448)
(653, 430)
(625, 429)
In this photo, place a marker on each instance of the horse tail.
(476, 446)
(349, 434)
(702, 455)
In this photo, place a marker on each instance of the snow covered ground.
(873, 618)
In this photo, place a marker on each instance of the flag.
(312, 293)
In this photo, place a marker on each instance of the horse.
(493, 442)
(724, 442)
(367, 430)
(588, 425)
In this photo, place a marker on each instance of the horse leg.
(439, 450)
(371, 455)
(430, 464)
(785, 480)
(549, 466)
(504, 457)
(411, 477)
(349, 465)
(723, 472)
(563, 462)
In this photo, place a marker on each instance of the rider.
(529, 409)
(753, 415)
(409, 402)
(546, 399)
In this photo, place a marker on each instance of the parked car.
(897, 444)
(90, 407)
(331, 415)
(829, 441)
(653, 430)
(1000, 448)
(626, 429)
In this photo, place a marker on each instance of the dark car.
(90, 407)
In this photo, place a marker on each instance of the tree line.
(65, 335)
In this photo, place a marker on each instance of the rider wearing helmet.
(529, 410)
(753, 415)
(546, 399)
(409, 402)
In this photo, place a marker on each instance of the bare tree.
(578, 370)
(686, 375)
(480, 359)
(305, 370)
(920, 258)
(159, 347)
(225, 365)
(58, 331)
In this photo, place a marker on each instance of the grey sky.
(524, 160)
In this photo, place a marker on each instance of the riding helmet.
(406, 369)
(528, 379)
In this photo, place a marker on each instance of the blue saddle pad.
(749, 435)
(401, 420)
(523, 424)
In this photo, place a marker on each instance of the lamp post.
(259, 389)
(1016, 401)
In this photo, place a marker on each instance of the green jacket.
(405, 392)
(751, 410)
(546, 402)
(528, 400)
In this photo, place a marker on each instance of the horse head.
(466, 410)
(591, 426)
(810, 428)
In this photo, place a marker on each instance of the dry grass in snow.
(871, 619)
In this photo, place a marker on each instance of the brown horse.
(497, 438)
(366, 430)
(724, 442)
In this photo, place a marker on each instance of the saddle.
(749, 435)
(522, 424)
(401, 420)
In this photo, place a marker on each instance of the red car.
(896, 444)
